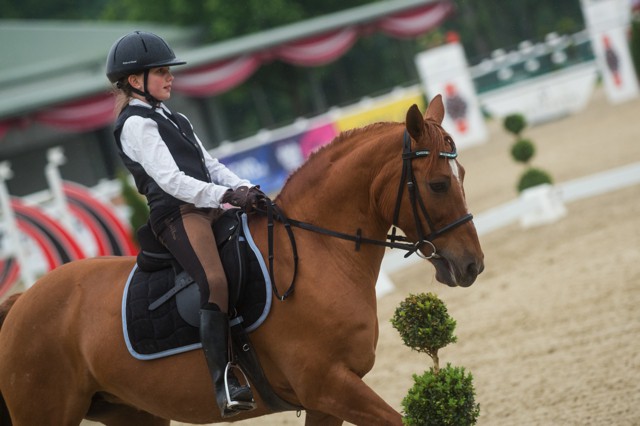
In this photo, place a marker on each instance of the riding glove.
(244, 197)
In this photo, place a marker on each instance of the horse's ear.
(435, 110)
(415, 122)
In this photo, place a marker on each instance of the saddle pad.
(151, 334)
(158, 333)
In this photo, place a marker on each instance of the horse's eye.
(439, 187)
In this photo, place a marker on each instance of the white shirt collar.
(162, 108)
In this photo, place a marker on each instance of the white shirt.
(142, 143)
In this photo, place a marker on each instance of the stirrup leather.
(234, 405)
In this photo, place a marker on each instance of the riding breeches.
(189, 237)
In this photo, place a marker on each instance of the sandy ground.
(550, 329)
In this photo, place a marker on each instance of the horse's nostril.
(474, 268)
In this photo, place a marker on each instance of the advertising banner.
(270, 165)
(444, 70)
(607, 22)
(390, 108)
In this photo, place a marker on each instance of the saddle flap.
(227, 225)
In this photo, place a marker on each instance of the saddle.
(161, 302)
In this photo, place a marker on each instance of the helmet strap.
(152, 100)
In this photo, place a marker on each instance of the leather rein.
(274, 213)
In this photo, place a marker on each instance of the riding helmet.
(137, 52)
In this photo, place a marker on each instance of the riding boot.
(214, 334)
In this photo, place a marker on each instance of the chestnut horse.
(62, 352)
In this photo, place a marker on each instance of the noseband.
(416, 202)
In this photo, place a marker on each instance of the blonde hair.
(123, 94)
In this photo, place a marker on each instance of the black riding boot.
(214, 334)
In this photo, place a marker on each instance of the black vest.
(184, 149)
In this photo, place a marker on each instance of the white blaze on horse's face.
(455, 170)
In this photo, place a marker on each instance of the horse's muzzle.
(453, 273)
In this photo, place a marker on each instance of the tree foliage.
(484, 26)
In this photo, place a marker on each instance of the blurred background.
(267, 83)
(54, 53)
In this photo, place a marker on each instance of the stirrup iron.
(233, 405)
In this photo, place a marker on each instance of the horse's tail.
(6, 305)
(5, 420)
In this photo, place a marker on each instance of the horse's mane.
(337, 141)
(438, 136)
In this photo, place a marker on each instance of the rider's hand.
(244, 197)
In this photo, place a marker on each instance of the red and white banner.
(218, 77)
(79, 116)
(318, 50)
(416, 22)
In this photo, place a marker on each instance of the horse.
(62, 353)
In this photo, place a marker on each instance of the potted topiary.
(535, 185)
(440, 396)
(533, 177)
(523, 151)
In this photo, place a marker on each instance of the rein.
(274, 213)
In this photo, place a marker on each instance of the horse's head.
(432, 209)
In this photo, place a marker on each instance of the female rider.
(184, 186)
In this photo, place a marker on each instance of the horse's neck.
(336, 188)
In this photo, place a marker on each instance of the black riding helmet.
(138, 52)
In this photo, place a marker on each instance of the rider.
(185, 188)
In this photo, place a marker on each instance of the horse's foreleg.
(122, 415)
(345, 396)
(316, 418)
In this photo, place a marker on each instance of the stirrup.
(234, 405)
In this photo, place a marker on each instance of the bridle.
(416, 201)
(273, 212)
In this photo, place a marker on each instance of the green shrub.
(136, 202)
(441, 399)
(424, 324)
(515, 123)
(523, 150)
(533, 177)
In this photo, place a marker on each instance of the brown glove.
(244, 197)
